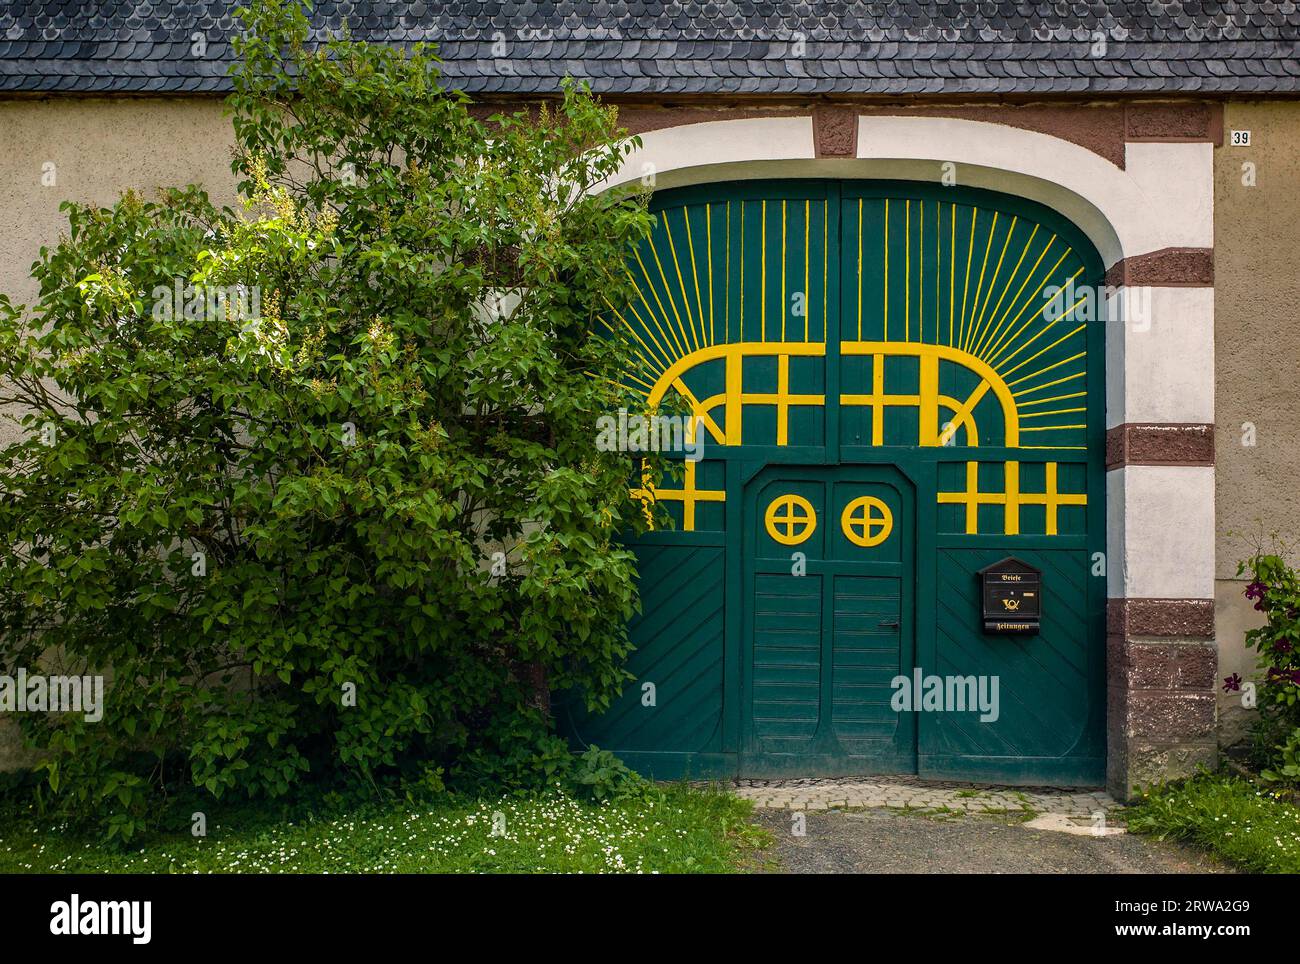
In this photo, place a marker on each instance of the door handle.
(889, 623)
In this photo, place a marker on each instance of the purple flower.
(1256, 590)
(1282, 645)
(1231, 684)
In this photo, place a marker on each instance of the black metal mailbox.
(1012, 595)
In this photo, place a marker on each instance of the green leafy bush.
(1275, 588)
(1286, 762)
(600, 775)
(519, 752)
(316, 481)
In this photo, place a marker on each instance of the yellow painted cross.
(1011, 498)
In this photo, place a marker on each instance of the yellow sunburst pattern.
(1001, 294)
(957, 326)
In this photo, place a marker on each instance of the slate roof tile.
(697, 46)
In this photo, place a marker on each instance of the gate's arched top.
(973, 311)
(1124, 211)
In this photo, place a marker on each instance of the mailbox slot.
(1011, 592)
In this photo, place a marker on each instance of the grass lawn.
(680, 830)
(1228, 816)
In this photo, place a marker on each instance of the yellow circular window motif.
(790, 519)
(867, 521)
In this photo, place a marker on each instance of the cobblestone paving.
(914, 794)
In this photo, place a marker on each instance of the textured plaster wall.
(99, 148)
(1257, 364)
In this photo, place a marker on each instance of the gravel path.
(886, 842)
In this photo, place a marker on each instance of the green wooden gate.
(891, 399)
(831, 627)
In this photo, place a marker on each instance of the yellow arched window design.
(959, 327)
(941, 416)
